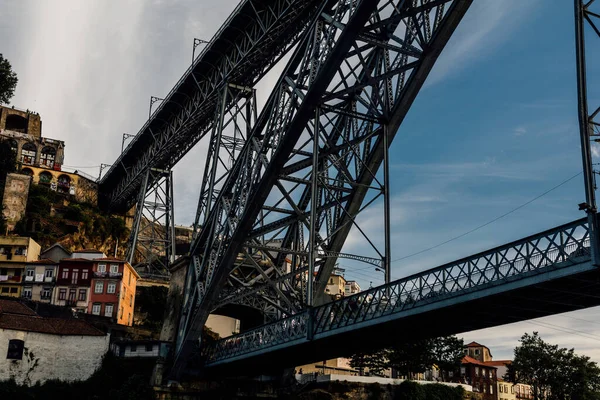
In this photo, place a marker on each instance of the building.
(14, 202)
(336, 286)
(39, 280)
(506, 390)
(113, 288)
(55, 253)
(39, 349)
(478, 351)
(15, 253)
(88, 254)
(481, 377)
(335, 366)
(73, 283)
(136, 348)
(23, 130)
(351, 287)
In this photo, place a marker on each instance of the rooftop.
(471, 360)
(18, 317)
(43, 261)
(87, 251)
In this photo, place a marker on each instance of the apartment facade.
(73, 283)
(39, 280)
(15, 253)
(113, 288)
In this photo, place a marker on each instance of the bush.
(409, 390)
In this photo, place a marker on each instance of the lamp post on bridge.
(197, 42)
(153, 99)
(125, 137)
(102, 167)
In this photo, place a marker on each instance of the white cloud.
(487, 24)
(519, 131)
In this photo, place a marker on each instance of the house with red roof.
(39, 349)
(483, 378)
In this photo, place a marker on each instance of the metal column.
(588, 128)
(152, 241)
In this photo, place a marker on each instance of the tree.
(376, 362)
(412, 357)
(554, 373)
(447, 353)
(8, 80)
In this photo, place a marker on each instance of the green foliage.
(554, 373)
(410, 391)
(376, 362)
(8, 80)
(414, 357)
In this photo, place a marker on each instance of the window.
(15, 349)
(131, 300)
(62, 294)
(121, 313)
(82, 294)
(72, 295)
(133, 348)
(129, 279)
(111, 287)
(46, 293)
(49, 273)
(512, 390)
(4, 290)
(30, 272)
(476, 352)
(114, 268)
(108, 310)
(27, 292)
(47, 156)
(96, 308)
(491, 389)
(65, 274)
(14, 290)
(476, 371)
(28, 153)
(74, 276)
(500, 389)
(101, 267)
(84, 274)
(149, 347)
(99, 288)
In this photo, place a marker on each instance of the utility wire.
(489, 222)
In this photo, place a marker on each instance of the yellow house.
(336, 286)
(15, 253)
(83, 188)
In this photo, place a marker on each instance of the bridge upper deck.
(253, 39)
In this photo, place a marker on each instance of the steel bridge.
(284, 187)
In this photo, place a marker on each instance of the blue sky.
(494, 126)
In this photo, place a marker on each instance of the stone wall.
(45, 357)
(16, 192)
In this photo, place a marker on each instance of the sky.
(494, 127)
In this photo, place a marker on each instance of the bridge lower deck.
(561, 290)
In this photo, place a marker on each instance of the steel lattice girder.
(253, 39)
(538, 255)
(352, 63)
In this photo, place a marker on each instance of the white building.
(40, 349)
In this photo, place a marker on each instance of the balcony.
(29, 279)
(108, 274)
(10, 279)
(48, 279)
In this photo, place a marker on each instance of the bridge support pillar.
(152, 241)
(588, 128)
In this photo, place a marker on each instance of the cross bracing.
(310, 164)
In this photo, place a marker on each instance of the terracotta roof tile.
(471, 360)
(498, 363)
(77, 259)
(53, 326)
(43, 261)
(475, 344)
(14, 307)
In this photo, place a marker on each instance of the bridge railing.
(529, 256)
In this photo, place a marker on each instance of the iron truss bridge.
(253, 39)
(543, 274)
(282, 190)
